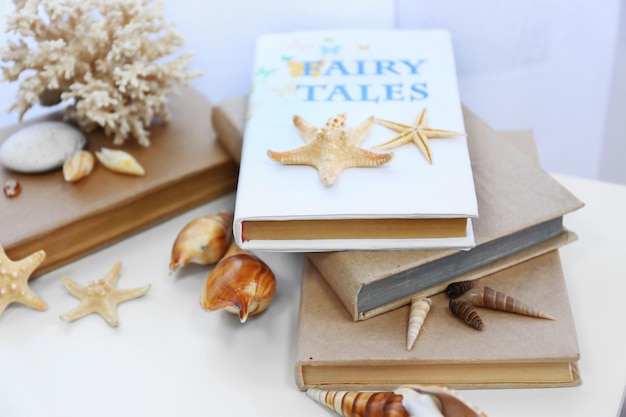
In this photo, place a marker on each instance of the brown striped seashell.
(463, 310)
(405, 401)
(420, 307)
(457, 289)
(240, 283)
(120, 161)
(202, 241)
(77, 166)
(498, 300)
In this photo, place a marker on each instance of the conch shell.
(120, 161)
(405, 401)
(77, 166)
(463, 310)
(202, 241)
(497, 300)
(240, 283)
(420, 307)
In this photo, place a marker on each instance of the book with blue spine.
(354, 139)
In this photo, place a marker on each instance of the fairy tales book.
(355, 140)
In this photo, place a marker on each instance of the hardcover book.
(521, 216)
(320, 102)
(512, 351)
(185, 166)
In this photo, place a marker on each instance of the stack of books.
(356, 290)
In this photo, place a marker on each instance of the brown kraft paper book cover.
(513, 193)
(512, 351)
(185, 167)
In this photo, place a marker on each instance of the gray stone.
(40, 147)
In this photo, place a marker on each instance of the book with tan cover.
(514, 195)
(185, 167)
(512, 351)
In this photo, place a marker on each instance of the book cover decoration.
(355, 141)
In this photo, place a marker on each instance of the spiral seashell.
(497, 300)
(240, 283)
(120, 161)
(463, 310)
(77, 166)
(405, 401)
(456, 289)
(420, 307)
(202, 241)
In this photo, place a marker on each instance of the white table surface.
(170, 358)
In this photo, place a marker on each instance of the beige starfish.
(14, 277)
(101, 297)
(332, 148)
(419, 133)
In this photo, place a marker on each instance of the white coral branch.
(105, 57)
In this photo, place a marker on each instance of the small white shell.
(77, 166)
(419, 310)
(120, 161)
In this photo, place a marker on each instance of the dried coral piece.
(77, 166)
(420, 306)
(202, 241)
(109, 59)
(418, 133)
(240, 283)
(120, 161)
(331, 149)
(14, 277)
(463, 310)
(497, 300)
(457, 289)
(101, 297)
(405, 401)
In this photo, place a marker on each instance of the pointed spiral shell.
(240, 283)
(463, 310)
(419, 310)
(405, 401)
(120, 161)
(456, 289)
(202, 241)
(497, 300)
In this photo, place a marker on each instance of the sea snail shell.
(405, 401)
(202, 241)
(240, 283)
(497, 300)
(463, 310)
(419, 310)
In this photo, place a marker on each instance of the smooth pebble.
(40, 147)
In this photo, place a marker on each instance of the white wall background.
(557, 67)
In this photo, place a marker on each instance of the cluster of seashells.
(486, 297)
(404, 401)
(239, 282)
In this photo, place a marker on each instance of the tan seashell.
(77, 166)
(497, 300)
(405, 401)
(463, 310)
(202, 241)
(120, 161)
(240, 283)
(420, 307)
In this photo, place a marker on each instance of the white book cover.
(393, 75)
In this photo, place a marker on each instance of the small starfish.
(332, 148)
(101, 297)
(418, 133)
(14, 277)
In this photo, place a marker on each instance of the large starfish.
(332, 148)
(14, 277)
(101, 297)
(418, 133)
